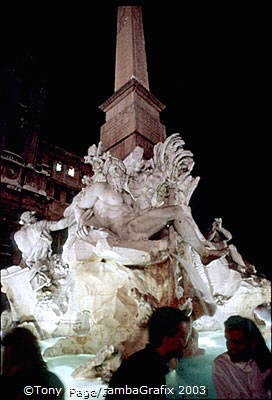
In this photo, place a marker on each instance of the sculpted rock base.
(118, 300)
(132, 246)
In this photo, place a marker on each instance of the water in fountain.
(191, 379)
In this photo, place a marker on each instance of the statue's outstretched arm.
(62, 223)
(83, 210)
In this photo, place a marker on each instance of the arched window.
(58, 166)
(71, 171)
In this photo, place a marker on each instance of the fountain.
(132, 246)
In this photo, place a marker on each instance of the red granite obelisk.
(132, 112)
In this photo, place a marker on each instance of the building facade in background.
(40, 177)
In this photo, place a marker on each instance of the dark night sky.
(207, 64)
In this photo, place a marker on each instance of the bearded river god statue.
(133, 245)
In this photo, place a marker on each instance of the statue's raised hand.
(82, 232)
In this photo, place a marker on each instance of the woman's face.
(237, 345)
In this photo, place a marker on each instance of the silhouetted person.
(169, 330)
(244, 371)
(24, 372)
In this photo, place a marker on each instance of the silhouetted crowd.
(242, 372)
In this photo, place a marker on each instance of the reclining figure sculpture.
(127, 206)
(132, 245)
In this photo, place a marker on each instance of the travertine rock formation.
(132, 246)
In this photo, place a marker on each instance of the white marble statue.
(132, 245)
(34, 241)
(232, 282)
(220, 237)
(38, 289)
(15, 282)
(108, 210)
(102, 365)
(119, 245)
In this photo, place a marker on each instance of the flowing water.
(191, 379)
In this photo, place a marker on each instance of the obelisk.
(132, 112)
